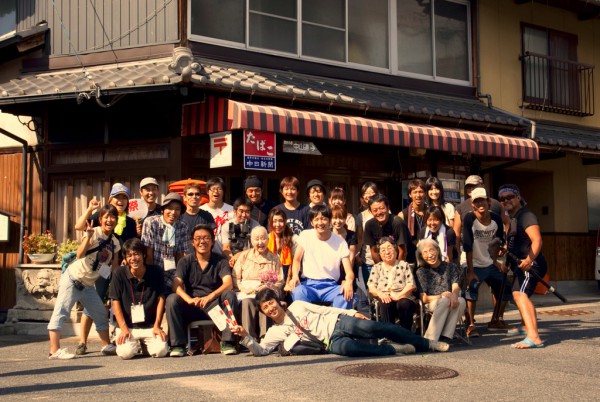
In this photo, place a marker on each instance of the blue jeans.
(342, 340)
(321, 290)
(362, 299)
(68, 295)
(101, 286)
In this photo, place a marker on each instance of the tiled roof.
(69, 83)
(568, 137)
(253, 80)
(260, 81)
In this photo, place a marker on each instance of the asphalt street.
(568, 368)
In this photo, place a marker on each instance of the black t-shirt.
(198, 282)
(147, 290)
(201, 218)
(519, 242)
(260, 213)
(351, 238)
(394, 227)
(297, 219)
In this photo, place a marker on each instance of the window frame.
(392, 52)
(573, 43)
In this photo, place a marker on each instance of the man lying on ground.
(336, 328)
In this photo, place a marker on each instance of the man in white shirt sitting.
(319, 253)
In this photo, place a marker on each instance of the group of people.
(254, 258)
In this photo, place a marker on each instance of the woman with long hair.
(338, 197)
(282, 241)
(434, 191)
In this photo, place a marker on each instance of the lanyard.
(133, 295)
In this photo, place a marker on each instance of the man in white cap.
(149, 193)
(166, 236)
(482, 227)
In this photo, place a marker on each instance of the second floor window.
(553, 79)
(427, 39)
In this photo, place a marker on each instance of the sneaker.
(61, 354)
(109, 350)
(177, 351)
(499, 325)
(403, 349)
(81, 349)
(472, 331)
(228, 349)
(438, 346)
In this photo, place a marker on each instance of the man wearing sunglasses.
(525, 243)
(193, 215)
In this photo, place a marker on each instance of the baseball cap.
(148, 180)
(119, 188)
(173, 197)
(473, 180)
(478, 192)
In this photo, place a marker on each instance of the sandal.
(517, 330)
(528, 343)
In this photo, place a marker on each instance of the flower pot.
(41, 258)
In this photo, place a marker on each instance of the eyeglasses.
(198, 239)
(215, 190)
(507, 198)
(194, 194)
(315, 191)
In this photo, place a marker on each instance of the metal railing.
(557, 85)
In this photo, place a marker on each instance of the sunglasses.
(194, 194)
(507, 198)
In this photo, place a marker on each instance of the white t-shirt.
(322, 259)
(221, 217)
(81, 269)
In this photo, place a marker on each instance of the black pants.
(402, 309)
(180, 314)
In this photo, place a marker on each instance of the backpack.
(67, 260)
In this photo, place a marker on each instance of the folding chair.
(460, 332)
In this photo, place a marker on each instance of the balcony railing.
(557, 85)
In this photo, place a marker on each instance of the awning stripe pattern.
(241, 115)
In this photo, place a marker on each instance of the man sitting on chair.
(202, 280)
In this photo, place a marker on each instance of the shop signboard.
(259, 150)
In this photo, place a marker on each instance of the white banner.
(221, 150)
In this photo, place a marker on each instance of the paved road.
(567, 369)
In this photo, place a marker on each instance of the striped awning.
(218, 114)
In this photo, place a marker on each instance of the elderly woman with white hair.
(439, 290)
(255, 269)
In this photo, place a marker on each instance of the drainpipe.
(23, 188)
(478, 77)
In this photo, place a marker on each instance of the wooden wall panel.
(570, 256)
(10, 202)
(30, 13)
(100, 25)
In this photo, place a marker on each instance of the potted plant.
(64, 248)
(40, 247)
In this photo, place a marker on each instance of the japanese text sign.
(259, 150)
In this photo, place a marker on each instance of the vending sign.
(259, 150)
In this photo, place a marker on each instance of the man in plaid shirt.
(166, 237)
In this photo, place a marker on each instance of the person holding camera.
(235, 236)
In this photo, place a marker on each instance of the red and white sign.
(220, 150)
(138, 209)
(259, 150)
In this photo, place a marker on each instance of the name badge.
(104, 271)
(169, 264)
(137, 313)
